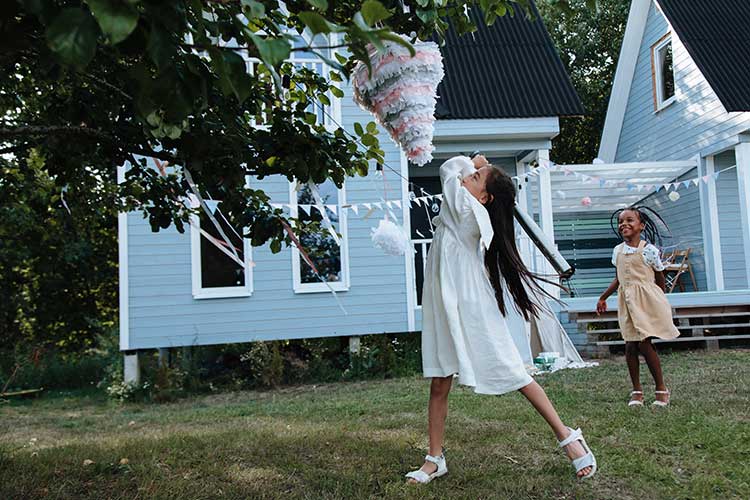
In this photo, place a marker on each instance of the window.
(331, 259)
(662, 67)
(216, 274)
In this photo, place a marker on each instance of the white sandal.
(661, 404)
(587, 460)
(422, 477)
(635, 402)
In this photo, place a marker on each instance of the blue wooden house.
(504, 91)
(679, 116)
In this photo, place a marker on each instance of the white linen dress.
(463, 331)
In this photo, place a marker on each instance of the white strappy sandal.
(422, 477)
(635, 402)
(587, 460)
(661, 404)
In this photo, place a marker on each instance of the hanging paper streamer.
(322, 209)
(391, 238)
(401, 92)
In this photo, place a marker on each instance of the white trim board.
(408, 256)
(122, 260)
(618, 100)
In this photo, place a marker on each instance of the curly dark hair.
(648, 216)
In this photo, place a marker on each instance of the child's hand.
(479, 161)
(601, 306)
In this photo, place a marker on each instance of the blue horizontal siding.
(163, 312)
(694, 122)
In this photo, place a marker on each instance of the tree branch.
(30, 130)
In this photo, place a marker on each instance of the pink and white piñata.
(401, 93)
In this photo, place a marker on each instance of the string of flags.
(602, 182)
(308, 209)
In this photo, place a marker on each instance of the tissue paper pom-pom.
(586, 201)
(390, 238)
(674, 196)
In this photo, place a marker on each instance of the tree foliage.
(588, 41)
(103, 82)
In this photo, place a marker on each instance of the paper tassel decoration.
(586, 201)
(401, 92)
(674, 196)
(390, 238)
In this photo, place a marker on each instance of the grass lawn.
(356, 440)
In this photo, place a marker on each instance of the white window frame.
(659, 101)
(225, 292)
(343, 229)
(332, 115)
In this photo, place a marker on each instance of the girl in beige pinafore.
(643, 310)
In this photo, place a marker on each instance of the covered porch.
(703, 201)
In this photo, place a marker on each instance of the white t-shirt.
(651, 255)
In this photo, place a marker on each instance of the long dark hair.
(648, 216)
(502, 258)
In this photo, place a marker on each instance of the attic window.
(662, 67)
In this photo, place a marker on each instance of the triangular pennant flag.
(305, 209)
(333, 209)
(397, 203)
(355, 209)
(211, 204)
(378, 205)
(686, 183)
(440, 197)
(705, 179)
(389, 204)
(696, 181)
(602, 183)
(716, 175)
(418, 201)
(666, 187)
(658, 188)
(368, 206)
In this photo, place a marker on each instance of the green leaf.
(358, 128)
(117, 19)
(311, 118)
(427, 16)
(324, 99)
(256, 9)
(369, 140)
(319, 4)
(340, 58)
(387, 35)
(334, 76)
(374, 12)
(273, 51)
(372, 128)
(160, 47)
(72, 36)
(337, 92)
(316, 22)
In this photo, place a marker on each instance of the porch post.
(742, 155)
(545, 210)
(710, 224)
(523, 200)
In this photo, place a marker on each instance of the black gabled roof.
(508, 70)
(716, 33)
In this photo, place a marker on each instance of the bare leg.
(631, 357)
(654, 366)
(538, 398)
(436, 414)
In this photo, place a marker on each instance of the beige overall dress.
(642, 307)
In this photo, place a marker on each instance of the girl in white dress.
(473, 275)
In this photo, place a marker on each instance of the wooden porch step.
(685, 327)
(680, 339)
